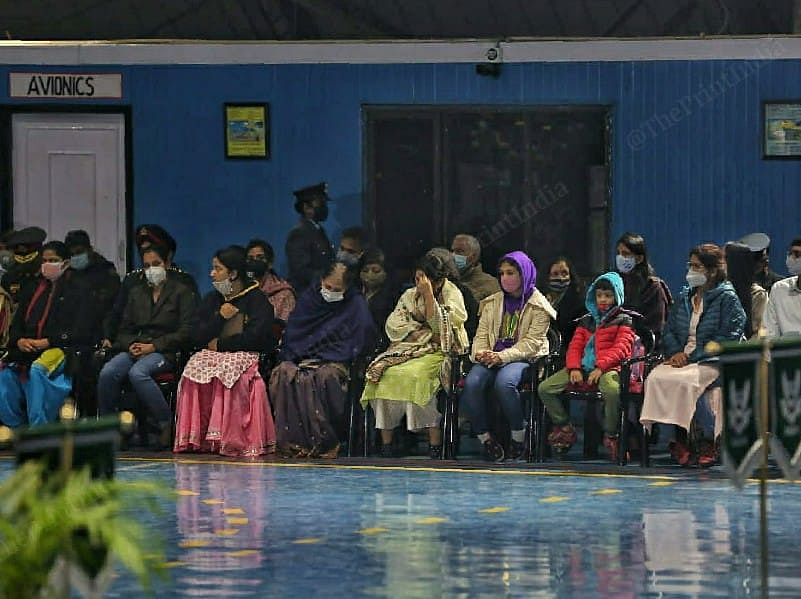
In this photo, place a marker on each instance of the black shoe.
(517, 451)
(493, 451)
(435, 452)
(387, 451)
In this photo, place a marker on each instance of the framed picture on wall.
(247, 130)
(781, 129)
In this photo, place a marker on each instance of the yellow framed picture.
(247, 130)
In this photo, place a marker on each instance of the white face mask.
(156, 275)
(332, 296)
(696, 279)
(793, 265)
(625, 264)
(225, 287)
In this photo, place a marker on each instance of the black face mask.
(321, 213)
(256, 268)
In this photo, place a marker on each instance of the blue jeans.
(140, 373)
(504, 381)
(36, 401)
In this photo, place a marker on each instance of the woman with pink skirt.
(222, 399)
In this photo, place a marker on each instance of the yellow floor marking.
(661, 483)
(376, 530)
(233, 510)
(226, 532)
(187, 492)
(554, 499)
(213, 501)
(236, 521)
(190, 543)
(431, 520)
(307, 541)
(242, 553)
(494, 510)
(606, 492)
(455, 469)
(173, 564)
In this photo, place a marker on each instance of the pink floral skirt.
(232, 419)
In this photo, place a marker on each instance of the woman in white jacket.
(512, 329)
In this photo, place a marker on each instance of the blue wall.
(686, 148)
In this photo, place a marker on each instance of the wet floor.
(261, 530)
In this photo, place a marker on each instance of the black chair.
(632, 394)
(539, 369)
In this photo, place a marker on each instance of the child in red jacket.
(603, 339)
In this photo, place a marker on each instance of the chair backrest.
(554, 340)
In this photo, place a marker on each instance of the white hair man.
(467, 255)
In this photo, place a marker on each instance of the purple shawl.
(528, 274)
(331, 332)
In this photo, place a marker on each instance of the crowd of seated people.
(263, 364)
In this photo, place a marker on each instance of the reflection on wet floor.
(257, 530)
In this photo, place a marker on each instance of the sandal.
(680, 452)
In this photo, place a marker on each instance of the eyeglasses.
(696, 267)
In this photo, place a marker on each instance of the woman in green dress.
(424, 329)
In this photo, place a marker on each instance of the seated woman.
(426, 325)
(260, 258)
(329, 328)
(156, 323)
(740, 270)
(47, 326)
(222, 399)
(512, 330)
(707, 310)
(562, 290)
(378, 291)
(646, 294)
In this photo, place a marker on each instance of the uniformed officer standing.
(308, 249)
(759, 244)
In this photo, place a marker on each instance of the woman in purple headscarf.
(513, 329)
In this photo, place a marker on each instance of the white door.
(69, 173)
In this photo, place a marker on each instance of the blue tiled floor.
(331, 532)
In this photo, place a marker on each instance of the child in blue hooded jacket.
(603, 339)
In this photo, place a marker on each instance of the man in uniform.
(308, 249)
(23, 274)
(759, 244)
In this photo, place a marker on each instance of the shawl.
(330, 332)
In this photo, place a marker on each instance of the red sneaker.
(562, 437)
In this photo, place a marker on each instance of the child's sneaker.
(562, 437)
(612, 446)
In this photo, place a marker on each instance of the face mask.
(225, 287)
(321, 213)
(6, 258)
(509, 285)
(695, 279)
(793, 265)
(256, 268)
(347, 258)
(80, 261)
(558, 283)
(52, 270)
(461, 261)
(25, 258)
(373, 280)
(625, 264)
(156, 275)
(332, 296)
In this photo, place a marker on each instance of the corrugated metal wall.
(687, 151)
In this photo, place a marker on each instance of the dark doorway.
(531, 178)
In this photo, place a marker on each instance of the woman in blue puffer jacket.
(706, 310)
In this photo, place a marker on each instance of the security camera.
(494, 53)
(493, 66)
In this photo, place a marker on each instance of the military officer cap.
(32, 237)
(756, 242)
(156, 235)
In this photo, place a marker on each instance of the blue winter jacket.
(723, 319)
